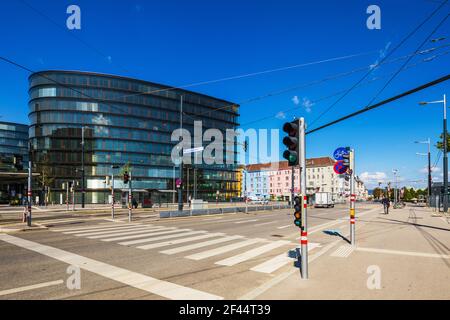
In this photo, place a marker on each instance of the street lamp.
(395, 185)
(429, 164)
(444, 141)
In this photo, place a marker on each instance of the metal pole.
(445, 159)
(180, 190)
(352, 197)
(292, 187)
(173, 186)
(429, 171)
(112, 195)
(130, 205)
(67, 195)
(304, 227)
(29, 192)
(73, 195)
(82, 168)
(187, 184)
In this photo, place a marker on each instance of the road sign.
(339, 167)
(339, 153)
(178, 183)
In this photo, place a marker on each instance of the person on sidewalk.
(25, 213)
(386, 204)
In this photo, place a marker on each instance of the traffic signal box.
(291, 141)
(298, 205)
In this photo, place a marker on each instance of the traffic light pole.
(29, 193)
(352, 197)
(82, 169)
(112, 195)
(130, 205)
(180, 189)
(73, 195)
(304, 227)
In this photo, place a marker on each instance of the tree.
(378, 193)
(440, 145)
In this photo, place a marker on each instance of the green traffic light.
(297, 223)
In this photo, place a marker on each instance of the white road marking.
(200, 245)
(116, 229)
(31, 287)
(217, 251)
(133, 279)
(177, 241)
(252, 253)
(245, 221)
(212, 218)
(284, 227)
(182, 234)
(97, 226)
(157, 233)
(125, 233)
(273, 264)
(85, 234)
(264, 223)
(405, 253)
(343, 251)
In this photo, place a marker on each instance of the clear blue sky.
(181, 42)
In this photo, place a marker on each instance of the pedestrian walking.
(386, 204)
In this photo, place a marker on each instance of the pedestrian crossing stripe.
(148, 236)
(343, 251)
(136, 236)
(177, 241)
(123, 233)
(182, 234)
(251, 253)
(221, 250)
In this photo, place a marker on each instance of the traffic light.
(126, 177)
(17, 160)
(292, 142)
(298, 211)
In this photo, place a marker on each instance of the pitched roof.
(283, 165)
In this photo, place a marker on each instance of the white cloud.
(425, 169)
(371, 179)
(280, 115)
(307, 104)
(296, 100)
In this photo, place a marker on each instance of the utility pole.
(82, 168)
(180, 189)
(352, 197)
(445, 158)
(67, 195)
(304, 227)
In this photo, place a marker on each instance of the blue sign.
(339, 153)
(339, 167)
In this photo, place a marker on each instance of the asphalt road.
(203, 257)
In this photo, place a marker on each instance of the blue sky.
(183, 42)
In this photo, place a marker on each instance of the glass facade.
(13, 142)
(126, 122)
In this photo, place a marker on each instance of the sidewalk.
(406, 252)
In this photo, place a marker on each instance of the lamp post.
(429, 164)
(444, 141)
(395, 185)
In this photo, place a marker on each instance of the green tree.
(440, 145)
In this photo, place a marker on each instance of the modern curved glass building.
(126, 122)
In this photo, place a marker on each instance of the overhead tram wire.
(307, 84)
(387, 56)
(280, 91)
(341, 91)
(409, 59)
(381, 103)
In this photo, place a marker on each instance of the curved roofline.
(14, 123)
(129, 79)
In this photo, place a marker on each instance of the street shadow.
(336, 234)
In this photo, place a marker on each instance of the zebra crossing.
(221, 248)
